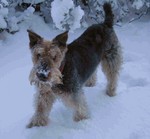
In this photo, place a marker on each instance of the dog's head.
(47, 57)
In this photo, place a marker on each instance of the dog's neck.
(62, 65)
(61, 68)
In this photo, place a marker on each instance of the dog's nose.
(41, 76)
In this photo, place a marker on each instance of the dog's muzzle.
(43, 72)
(42, 76)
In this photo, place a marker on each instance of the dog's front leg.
(78, 103)
(43, 105)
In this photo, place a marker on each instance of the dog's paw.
(38, 121)
(111, 93)
(90, 84)
(79, 117)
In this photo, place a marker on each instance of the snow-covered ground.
(125, 116)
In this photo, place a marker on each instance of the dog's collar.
(61, 68)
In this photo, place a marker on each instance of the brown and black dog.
(61, 69)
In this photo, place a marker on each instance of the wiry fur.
(92, 80)
(79, 60)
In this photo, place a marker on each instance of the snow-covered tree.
(10, 17)
(46, 10)
(124, 10)
(14, 20)
(67, 16)
(3, 14)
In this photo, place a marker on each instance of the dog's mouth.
(42, 77)
(50, 77)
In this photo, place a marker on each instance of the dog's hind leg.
(78, 103)
(92, 80)
(43, 105)
(111, 64)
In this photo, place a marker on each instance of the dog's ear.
(61, 39)
(34, 38)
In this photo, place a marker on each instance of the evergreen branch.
(141, 15)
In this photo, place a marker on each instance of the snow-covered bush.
(3, 14)
(69, 14)
(124, 10)
(13, 21)
(45, 9)
(10, 17)
(15, 2)
(65, 15)
(137, 4)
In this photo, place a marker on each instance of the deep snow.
(125, 116)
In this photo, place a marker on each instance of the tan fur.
(43, 104)
(92, 80)
(78, 104)
(48, 51)
(53, 55)
(111, 67)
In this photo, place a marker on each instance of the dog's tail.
(109, 16)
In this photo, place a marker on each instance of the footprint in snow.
(133, 82)
(138, 82)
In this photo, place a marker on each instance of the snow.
(4, 11)
(59, 14)
(125, 116)
(3, 23)
(137, 4)
(33, 1)
(67, 16)
(77, 13)
(3, 14)
(13, 21)
(12, 24)
(5, 2)
(26, 14)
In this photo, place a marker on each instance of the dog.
(60, 70)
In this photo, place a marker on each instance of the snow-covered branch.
(69, 14)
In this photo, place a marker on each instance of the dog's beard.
(55, 78)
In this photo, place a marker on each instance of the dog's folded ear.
(34, 38)
(61, 39)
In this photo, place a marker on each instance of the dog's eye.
(38, 55)
(54, 58)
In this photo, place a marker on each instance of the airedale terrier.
(61, 69)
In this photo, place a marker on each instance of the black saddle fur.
(85, 53)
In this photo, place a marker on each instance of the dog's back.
(85, 53)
